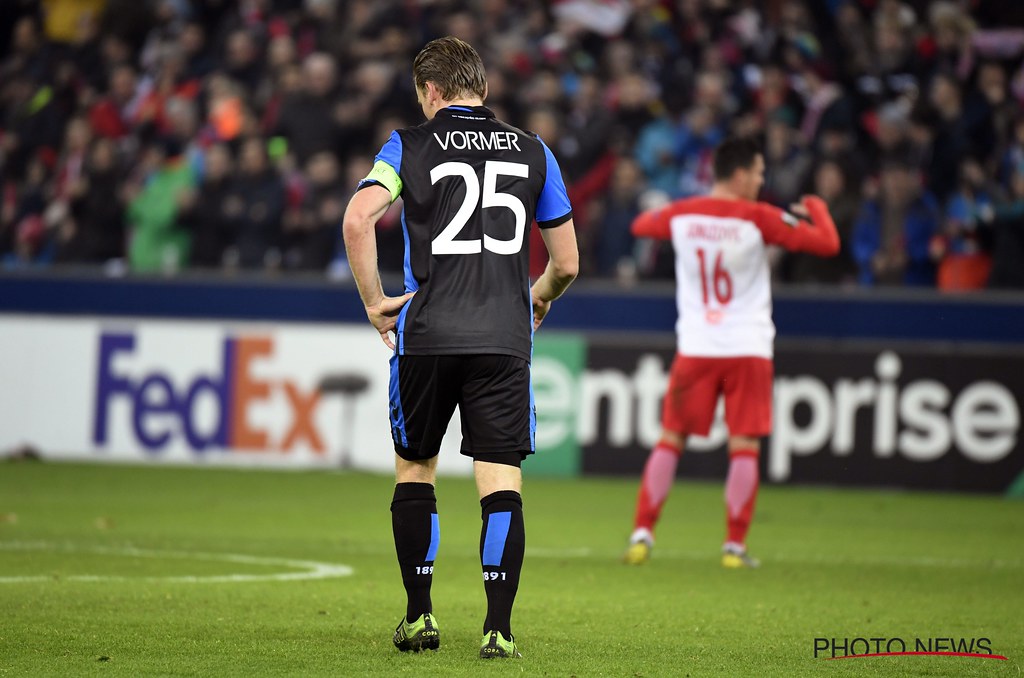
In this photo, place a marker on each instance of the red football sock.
(659, 472)
(740, 493)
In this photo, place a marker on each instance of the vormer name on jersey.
(479, 141)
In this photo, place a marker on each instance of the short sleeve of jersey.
(387, 167)
(553, 208)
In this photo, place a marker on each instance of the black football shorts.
(494, 398)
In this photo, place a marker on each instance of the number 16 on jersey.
(719, 281)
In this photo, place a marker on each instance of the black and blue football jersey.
(472, 187)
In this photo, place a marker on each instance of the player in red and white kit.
(724, 332)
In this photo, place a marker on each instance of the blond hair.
(453, 66)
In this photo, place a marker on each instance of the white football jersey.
(723, 282)
(723, 288)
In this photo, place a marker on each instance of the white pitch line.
(712, 555)
(310, 569)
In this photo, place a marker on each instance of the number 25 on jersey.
(445, 242)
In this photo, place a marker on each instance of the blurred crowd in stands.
(160, 135)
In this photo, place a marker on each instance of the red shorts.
(695, 384)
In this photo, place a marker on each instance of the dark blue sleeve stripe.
(554, 200)
(391, 152)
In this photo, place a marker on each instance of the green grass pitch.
(837, 563)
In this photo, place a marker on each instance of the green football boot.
(494, 645)
(421, 634)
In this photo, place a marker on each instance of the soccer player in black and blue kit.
(471, 187)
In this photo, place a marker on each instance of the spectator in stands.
(182, 116)
(1012, 154)
(892, 127)
(70, 168)
(310, 236)
(33, 124)
(94, 230)
(242, 60)
(308, 118)
(165, 26)
(211, 212)
(30, 54)
(24, 231)
(32, 246)
(159, 242)
(833, 183)
(952, 31)
(961, 249)
(854, 36)
(281, 53)
(634, 97)
(586, 129)
(920, 138)
(655, 148)
(957, 135)
(862, 79)
(894, 72)
(788, 163)
(372, 88)
(772, 91)
(992, 100)
(824, 102)
(614, 246)
(113, 115)
(226, 108)
(114, 51)
(1006, 221)
(893, 231)
(699, 135)
(195, 50)
(258, 198)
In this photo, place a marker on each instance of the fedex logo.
(161, 410)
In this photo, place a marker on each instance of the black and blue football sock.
(502, 543)
(417, 535)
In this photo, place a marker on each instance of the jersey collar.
(473, 111)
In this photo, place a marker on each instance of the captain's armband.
(386, 176)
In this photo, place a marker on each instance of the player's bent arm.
(364, 210)
(819, 236)
(367, 206)
(563, 266)
(824, 225)
(563, 262)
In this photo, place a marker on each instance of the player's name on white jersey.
(479, 141)
(712, 231)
